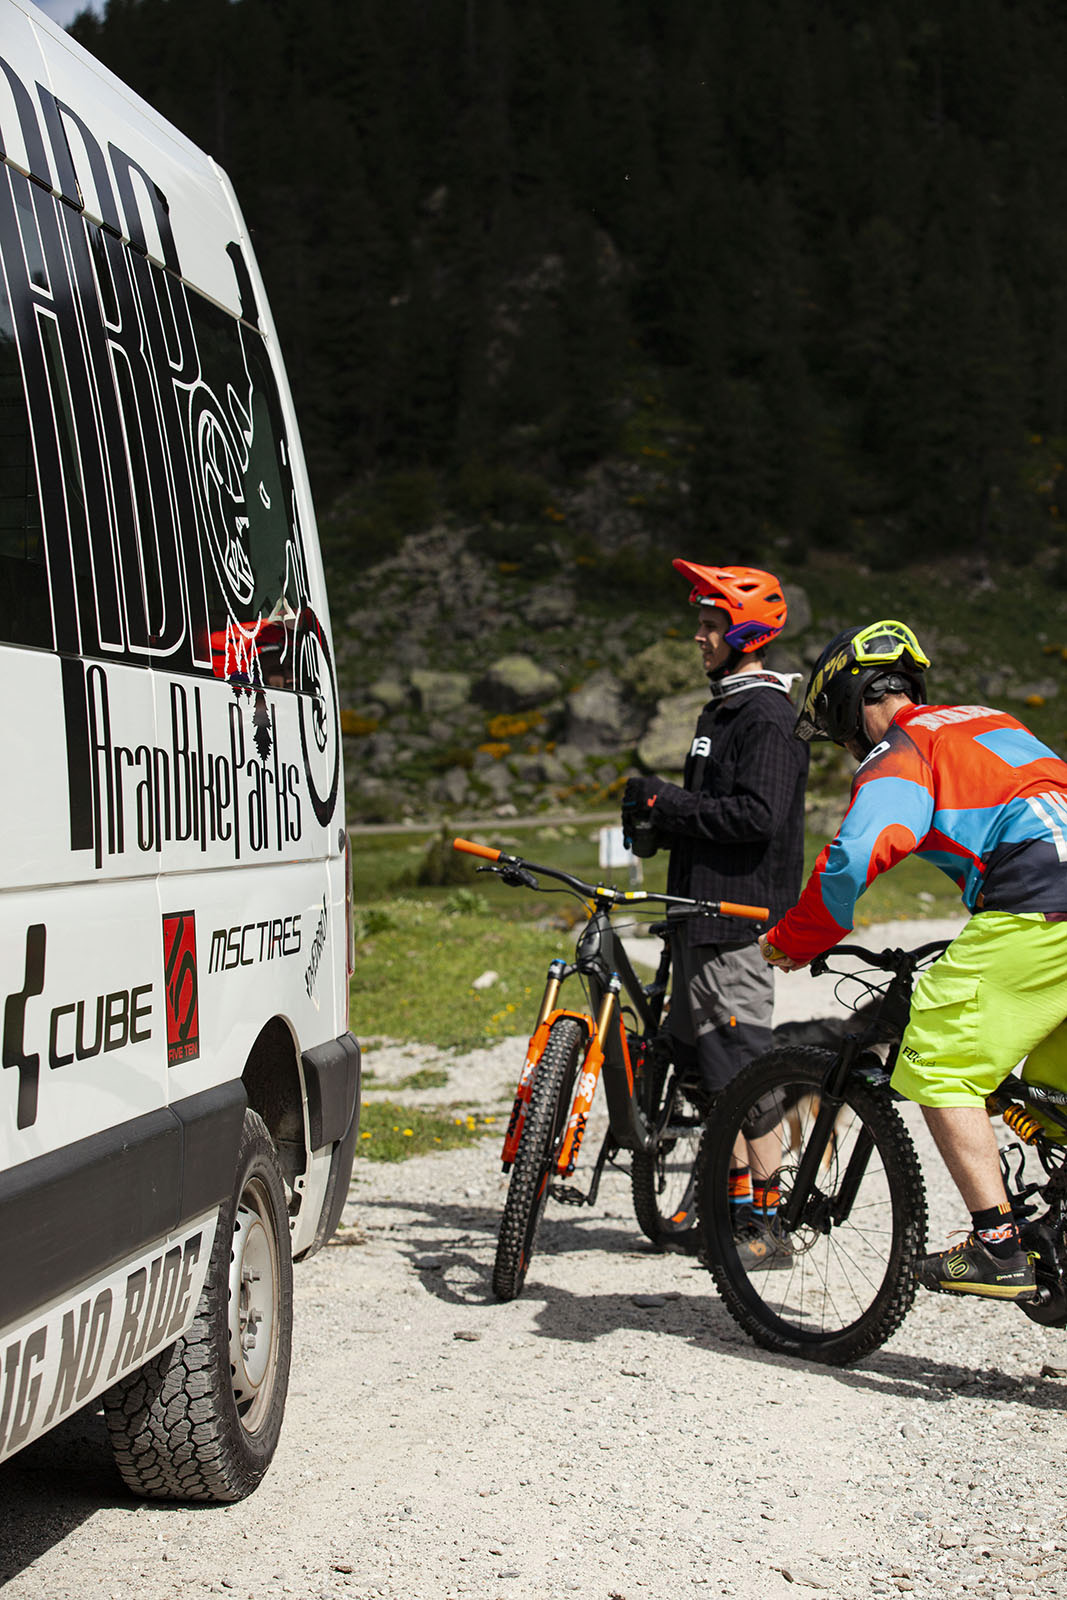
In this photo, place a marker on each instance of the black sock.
(997, 1229)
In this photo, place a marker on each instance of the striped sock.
(739, 1189)
(765, 1197)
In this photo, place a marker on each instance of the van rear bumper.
(332, 1076)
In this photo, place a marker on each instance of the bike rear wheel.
(663, 1179)
(546, 1121)
(842, 1282)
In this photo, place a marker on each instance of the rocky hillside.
(474, 685)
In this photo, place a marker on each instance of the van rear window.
(168, 528)
(25, 611)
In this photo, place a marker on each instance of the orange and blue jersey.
(968, 789)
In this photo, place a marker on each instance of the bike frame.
(887, 1027)
(601, 960)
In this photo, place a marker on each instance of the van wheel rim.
(253, 1305)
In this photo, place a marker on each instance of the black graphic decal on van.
(167, 528)
(128, 795)
(77, 1029)
(14, 1049)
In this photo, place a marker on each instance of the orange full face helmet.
(753, 599)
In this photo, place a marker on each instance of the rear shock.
(1018, 1119)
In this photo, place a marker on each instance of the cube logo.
(180, 987)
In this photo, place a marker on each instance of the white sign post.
(613, 854)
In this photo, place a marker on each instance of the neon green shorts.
(997, 995)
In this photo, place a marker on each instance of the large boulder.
(498, 780)
(454, 787)
(666, 667)
(390, 693)
(665, 743)
(440, 691)
(798, 607)
(513, 683)
(551, 606)
(544, 767)
(1034, 693)
(598, 717)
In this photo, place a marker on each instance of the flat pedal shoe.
(969, 1268)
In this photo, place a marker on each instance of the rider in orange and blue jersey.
(975, 793)
(968, 789)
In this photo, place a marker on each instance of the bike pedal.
(567, 1196)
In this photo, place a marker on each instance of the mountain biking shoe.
(760, 1246)
(969, 1268)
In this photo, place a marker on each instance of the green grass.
(425, 1078)
(414, 980)
(389, 1132)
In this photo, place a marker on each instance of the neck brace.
(753, 680)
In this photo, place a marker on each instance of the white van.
(178, 1091)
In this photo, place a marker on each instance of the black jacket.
(736, 827)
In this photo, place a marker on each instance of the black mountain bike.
(616, 1026)
(837, 1279)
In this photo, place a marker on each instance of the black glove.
(638, 831)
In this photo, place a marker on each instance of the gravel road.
(612, 1433)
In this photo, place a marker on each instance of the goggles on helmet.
(882, 642)
(851, 665)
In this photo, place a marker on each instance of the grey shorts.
(722, 1002)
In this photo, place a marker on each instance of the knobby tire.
(837, 1289)
(189, 1424)
(663, 1179)
(546, 1119)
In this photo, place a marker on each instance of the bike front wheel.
(663, 1178)
(841, 1282)
(535, 1160)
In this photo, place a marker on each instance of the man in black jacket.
(735, 831)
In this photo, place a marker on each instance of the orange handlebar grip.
(469, 848)
(754, 913)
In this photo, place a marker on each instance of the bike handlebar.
(884, 960)
(604, 893)
(470, 848)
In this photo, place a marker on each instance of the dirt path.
(612, 1433)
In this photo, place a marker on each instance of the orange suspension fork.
(534, 1052)
(583, 1099)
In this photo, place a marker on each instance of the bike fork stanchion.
(557, 971)
(854, 1172)
(583, 1100)
(831, 1099)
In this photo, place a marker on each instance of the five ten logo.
(179, 978)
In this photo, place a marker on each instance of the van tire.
(201, 1420)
